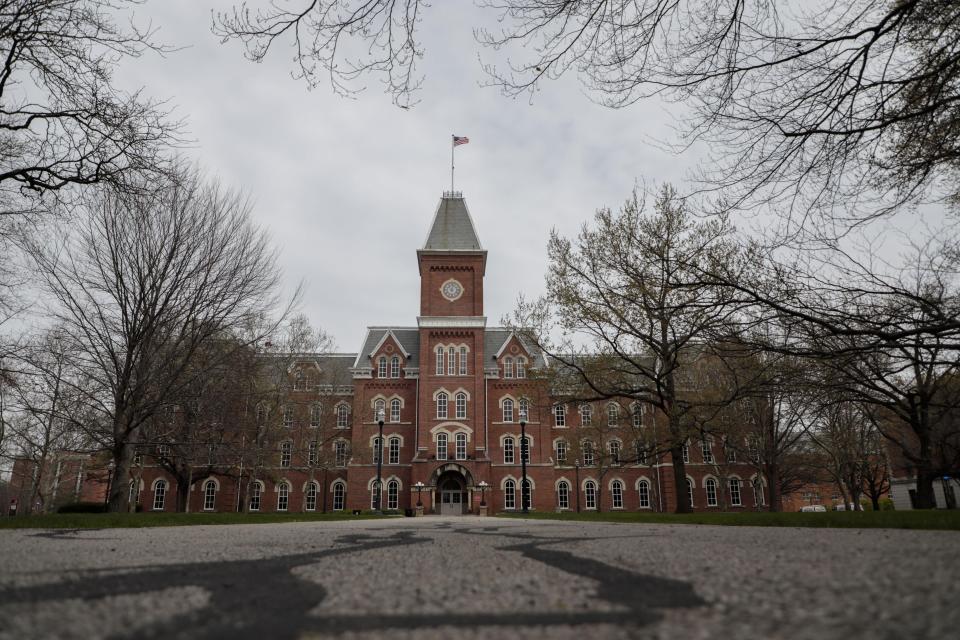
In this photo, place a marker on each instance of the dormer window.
(521, 367)
(298, 381)
(395, 367)
(508, 367)
(382, 367)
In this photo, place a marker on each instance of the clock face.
(451, 290)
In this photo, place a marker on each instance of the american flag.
(458, 140)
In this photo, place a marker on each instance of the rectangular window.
(508, 410)
(441, 446)
(451, 361)
(394, 451)
(343, 417)
(283, 497)
(735, 499)
(312, 457)
(461, 450)
(382, 368)
(340, 453)
(686, 453)
(395, 411)
(561, 452)
(508, 451)
(461, 406)
(395, 367)
(615, 453)
(711, 486)
(288, 417)
(315, 416)
(286, 453)
(377, 450)
(463, 361)
(559, 416)
(588, 454)
(707, 449)
(641, 453)
(311, 497)
(439, 361)
(442, 406)
(521, 367)
(255, 497)
(586, 415)
(508, 368)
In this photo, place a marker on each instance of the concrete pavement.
(478, 578)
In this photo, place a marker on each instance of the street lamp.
(380, 416)
(524, 452)
(483, 492)
(576, 466)
(419, 487)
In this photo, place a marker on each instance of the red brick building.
(451, 391)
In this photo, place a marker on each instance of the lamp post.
(419, 487)
(576, 466)
(380, 417)
(483, 496)
(524, 452)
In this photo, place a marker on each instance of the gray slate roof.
(493, 339)
(409, 338)
(452, 228)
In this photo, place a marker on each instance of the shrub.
(83, 507)
(886, 504)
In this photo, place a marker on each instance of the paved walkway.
(479, 578)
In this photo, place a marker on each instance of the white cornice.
(451, 322)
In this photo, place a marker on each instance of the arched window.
(508, 410)
(377, 449)
(588, 458)
(521, 367)
(711, 486)
(256, 490)
(394, 451)
(524, 409)
(379, 409)
(586, 415)
(616, 494)
(442, 406)
(315, 411)
(451, 361)
(461, 399)
(382, 367)
(508, 367)
(310, 499)
(283, 496)
(461, 446)
(209, 495)
(395, 367)
(463, 361)
(395, 406)
(758, 497)
(343, 416)
(735, 499)
(614, 452)
(339, 495)
(643, 492)
(133, 497)
(159, 494)
(559, 415)
(509, 494)
(563, 495)
(690, 492)
(508, 451)
(440, 361)
(375, 494)
(590, 493)
(636, 413)
(561, 447)
(441, 446)
(613, 414)
(393, 495)
(286, 453)
(340, 453)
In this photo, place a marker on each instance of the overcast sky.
(348, 187)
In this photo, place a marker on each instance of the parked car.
(813, 508)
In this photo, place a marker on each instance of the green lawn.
(135, 520)
(938, 519)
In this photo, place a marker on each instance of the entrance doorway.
(452, 495)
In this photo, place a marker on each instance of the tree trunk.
(925, 497)
(119, 500)
(875, 501)
(679, 480)
(773, 486)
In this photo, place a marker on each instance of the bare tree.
(146, 280)
(62, 121)
(630, 311)
(339, 42)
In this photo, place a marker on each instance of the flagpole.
(452, 147)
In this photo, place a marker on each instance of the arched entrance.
(453, 489)
(451, 494)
